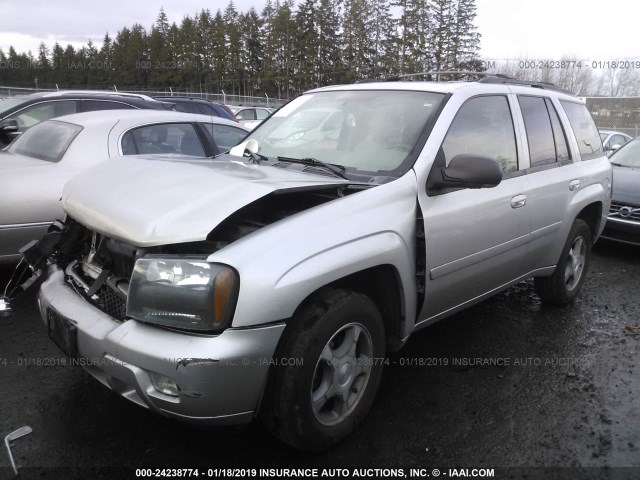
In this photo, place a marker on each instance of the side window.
(207, 110)
(224, 136)
(542, 149)
(95, 105)
(163, 138)
(248, 114)
(261, 114)
(589, 143)
(559, 136)
(483, 126)
(43, 111)
(187, 107)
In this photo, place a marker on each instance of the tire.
(343, 381)
(565, 283)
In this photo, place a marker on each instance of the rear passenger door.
(554, 174)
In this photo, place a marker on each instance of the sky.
(510, 29)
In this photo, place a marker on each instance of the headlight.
(184, 293)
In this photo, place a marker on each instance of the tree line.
(281, 51)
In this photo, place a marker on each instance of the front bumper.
(220, 378)
(620, 230)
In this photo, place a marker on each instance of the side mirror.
(615, 147)
(467, 171)
(9, 125)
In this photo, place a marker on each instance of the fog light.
(164, 384)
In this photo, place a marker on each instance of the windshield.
(628, 155)
(368, 132)
(46, 141)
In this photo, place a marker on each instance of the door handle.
(574, 185)
(518, 201)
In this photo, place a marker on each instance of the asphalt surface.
(563, 390)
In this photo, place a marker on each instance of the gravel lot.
(565, 393)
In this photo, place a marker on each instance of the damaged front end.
(164, 353)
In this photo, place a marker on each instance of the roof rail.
(527, 83)
(437, 73)
(99, 92)
(494, 78)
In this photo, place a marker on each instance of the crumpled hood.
(626, 185)
(157, 201)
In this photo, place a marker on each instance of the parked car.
(199, 105)
(623, 222)
(272, 281)
(611, 140)
(251, 116)
(34, 168)
(17, 114)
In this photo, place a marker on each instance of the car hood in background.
(157, 201)
(626, 185)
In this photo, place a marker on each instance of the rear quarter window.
(587, 136)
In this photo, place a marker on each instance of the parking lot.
(508, 383)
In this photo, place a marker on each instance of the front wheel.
(328, 371)
(565, 283)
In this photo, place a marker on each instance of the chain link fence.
(223, 98)
(616, 113)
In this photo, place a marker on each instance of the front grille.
(625, 211)
(111, 303)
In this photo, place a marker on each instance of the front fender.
(282, 264)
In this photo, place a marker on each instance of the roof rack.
(486, 77)
(99, 92)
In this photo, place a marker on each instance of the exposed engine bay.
(99, 267)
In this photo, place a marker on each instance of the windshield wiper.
(256, 157)
(337, 170)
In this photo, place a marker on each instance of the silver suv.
(272, 281)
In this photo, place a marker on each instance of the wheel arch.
(383, 286)
(592, 215)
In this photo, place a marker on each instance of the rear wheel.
(566, 281)
(338, 342)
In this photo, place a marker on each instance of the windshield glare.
(371, 132)
(628, 155)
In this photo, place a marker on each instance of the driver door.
(476, 239)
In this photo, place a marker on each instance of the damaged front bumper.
(219, 379)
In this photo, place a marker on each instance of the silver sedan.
(35, 167)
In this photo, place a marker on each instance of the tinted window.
(95, 105)
(43, 111)
(205, 109)
(224, 136)
(163, 138)
(559, 136)
(187, 107)
(584, 129)
(46, 141)
(484, 127)
(539, 134)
